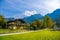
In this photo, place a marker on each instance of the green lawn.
(38, 35)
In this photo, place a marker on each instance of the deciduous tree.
(48, 22)
(2, 22)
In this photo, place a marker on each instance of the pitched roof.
(16, 20)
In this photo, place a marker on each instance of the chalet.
(14, 24)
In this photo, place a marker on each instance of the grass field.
(38, 35)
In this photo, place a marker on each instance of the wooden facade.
(14, 24)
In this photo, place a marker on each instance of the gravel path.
(15, 33)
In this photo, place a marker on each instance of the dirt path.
(15, 33)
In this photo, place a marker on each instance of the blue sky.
(23, 8)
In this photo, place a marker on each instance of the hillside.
(9, 19)
(32, 18)
(55, 15)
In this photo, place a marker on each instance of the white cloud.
(47, 6)
(52, 5)
(29, 13)
(41, 6)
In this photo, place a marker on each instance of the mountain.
(32, 18)
(9, 19)
(55, 15)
